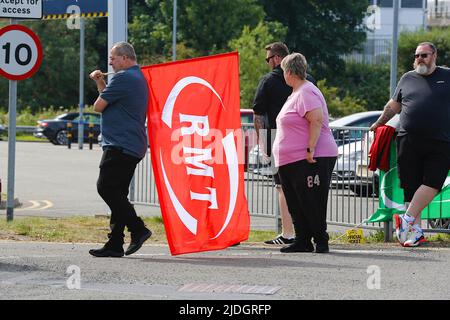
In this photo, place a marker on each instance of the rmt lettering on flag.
(196, 150)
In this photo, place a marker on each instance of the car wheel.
(440, 223)
(61, 137)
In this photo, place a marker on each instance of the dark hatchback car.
(55, 130)
(2, 131)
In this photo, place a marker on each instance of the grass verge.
(22, 136)
(28, 137)
(85, 229)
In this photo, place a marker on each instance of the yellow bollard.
(69, 135)
(91, 135)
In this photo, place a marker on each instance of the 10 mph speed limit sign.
(20, 52)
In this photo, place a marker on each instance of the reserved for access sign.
(21, 9)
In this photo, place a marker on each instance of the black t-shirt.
(425, 104)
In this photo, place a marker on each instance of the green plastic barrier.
(391, 199)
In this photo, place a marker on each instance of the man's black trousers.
(116, 172)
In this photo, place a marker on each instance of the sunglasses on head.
(422, 55)
(268, 58)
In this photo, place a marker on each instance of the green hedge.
(337, 106)
(367, 83)
(27, 118)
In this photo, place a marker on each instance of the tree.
(366, 82)
(208, 25)
(408, 42)
(205, 26)
(337, 106)
(321, 30)
(251, 46)
(148, 31)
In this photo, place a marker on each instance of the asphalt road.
(65, 179)
(386, 271)
(53, 180)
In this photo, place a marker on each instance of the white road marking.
(48, 205)
(37, 205)
(149, 254)
(30, 256)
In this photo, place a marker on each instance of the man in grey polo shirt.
(123, 104)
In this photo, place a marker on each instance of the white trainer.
(415, 238)
(402, 228)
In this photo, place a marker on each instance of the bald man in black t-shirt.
(422, 98)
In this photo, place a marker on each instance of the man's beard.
(422, 68)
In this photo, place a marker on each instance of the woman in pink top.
(305, 152)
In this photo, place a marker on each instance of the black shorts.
(421, 161)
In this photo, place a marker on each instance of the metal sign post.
(80, 121)
(174, 31)
(11, 146)
(393, 84)
(117, 24)
(393, 77)
(21, 57)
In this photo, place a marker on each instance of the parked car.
(249, 134)
(350, 147)
(55, 130)
(246, 116)
(3, 131)
(345, 167)
(258, 163)
(344, 171)
(367, 181)
(343, 135)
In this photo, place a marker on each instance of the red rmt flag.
(195, 139)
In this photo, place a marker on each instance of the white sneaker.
(402, 228)
(415, 238)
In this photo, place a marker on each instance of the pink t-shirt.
(292, 135)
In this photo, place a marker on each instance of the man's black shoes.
(107, 252)
(116, 251)
(137, 240)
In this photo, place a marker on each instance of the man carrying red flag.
(123, 105)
